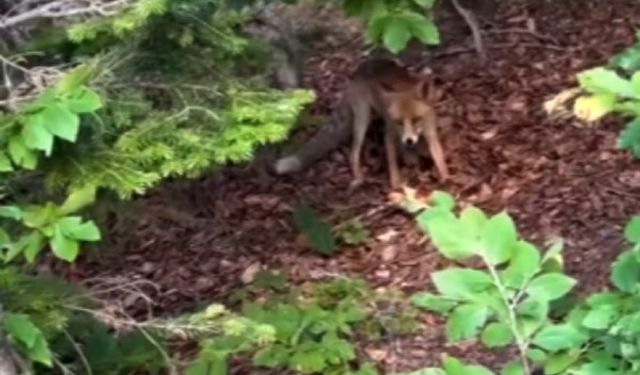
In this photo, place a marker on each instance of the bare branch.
(472, 22)
(65, 9)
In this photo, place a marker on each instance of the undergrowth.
(317, 324)
(510, 300)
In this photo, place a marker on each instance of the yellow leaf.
(592, 108)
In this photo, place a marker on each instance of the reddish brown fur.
(403, 101)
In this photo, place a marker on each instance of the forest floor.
(197, 241)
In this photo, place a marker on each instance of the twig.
(463, 50)
(472, 22)
(78, 350)
(534, 34)
(66, 9)
(7, 61)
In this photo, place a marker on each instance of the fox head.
(407, 109)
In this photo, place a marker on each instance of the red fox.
(383, 88)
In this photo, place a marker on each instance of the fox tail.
(329, 137)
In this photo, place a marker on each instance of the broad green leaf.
(83, 100)
(632, 230)
(600, 317)
(396, 34)
(62, 122)
(604, 298)
(601, 80)
(496, 335)
(73, 228)
(424, 219)
(431, 302)
(21, 328)
(473, 222)
(465, 321)
(443, 199)
(39, 216)
(594, 107)
(635, 80)
(40, 352)
(5, 163)
(536, 355)
(625, 272)
(559, 362)
(629, 138)
(478, 370)
(36, 135)
(499, 238)
(423, 28)
(453, 366)
(64, 247)
(375, 27)
(558, 337)
(550, 286)
(597, 369)
(461, 283)
(628, 59)
(450, 237)
(513, 368)
(524, 264)
(78, 199)
(316, 230)
(11, 212)
(21, 154)
(31, 245)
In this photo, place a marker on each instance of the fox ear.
(421, 87)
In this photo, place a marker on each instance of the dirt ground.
(195, 240)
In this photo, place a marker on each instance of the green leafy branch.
(50, 224)
(612, 88)
(507, 304)
(54, 114)
(395, 22)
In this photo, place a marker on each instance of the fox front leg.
(430, 131)
(395, 178)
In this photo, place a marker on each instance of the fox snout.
(409, 135)
(410, 140)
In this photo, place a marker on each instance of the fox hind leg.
(361, 119)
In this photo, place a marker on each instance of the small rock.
(383, 274)
(249, 274)
(387, 235)
(389, 253)
(147, 268)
